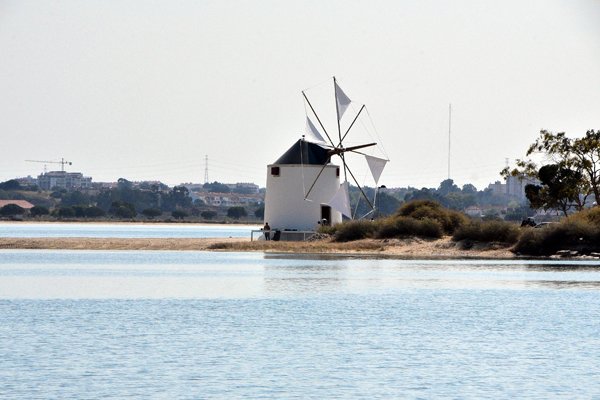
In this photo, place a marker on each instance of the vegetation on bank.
(429, 220)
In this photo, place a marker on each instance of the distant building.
(515, 186)
(227, 199)
(63, 180)
(497, 187)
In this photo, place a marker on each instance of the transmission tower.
(206, 169)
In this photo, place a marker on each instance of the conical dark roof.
(303, 152)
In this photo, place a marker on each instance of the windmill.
(304, 186)
(337, 147)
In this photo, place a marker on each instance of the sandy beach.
(401, 248)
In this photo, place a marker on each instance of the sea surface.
(123, 230)
(199, 325)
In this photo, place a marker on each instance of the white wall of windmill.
(285, 206)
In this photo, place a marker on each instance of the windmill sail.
(341, 200)
(313, 134)
(376, 165)
(343, 101)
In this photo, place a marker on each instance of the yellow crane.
(62, 163)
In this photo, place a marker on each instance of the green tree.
(179, 214)
(94, 212)
(560, 188)
(579, 155)
(260, 212)
(10, 210)
(11, 184)
(75, 198)
(37, 211)
(236, 212)
(65, 212)
(151, 212)
(122, 209)
(208, 214)
(216, 187)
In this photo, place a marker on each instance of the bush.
(422, 209)
(151, 212)
(487, 231)
(590, 215)
(208, 214)
(11, 210)
(236, 212)
(567, 235)
(354, 230)
(94, 212)
(37, 211)
(65, 212)
(394, 227)
(179, 214)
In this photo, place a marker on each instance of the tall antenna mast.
(449, 135)
(206, 168)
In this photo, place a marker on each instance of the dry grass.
(400, 248)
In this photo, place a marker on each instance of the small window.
(275, 171)
(337, 172)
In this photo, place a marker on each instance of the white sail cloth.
(341, 200)
(343, 101)
(376, 165)
(312, 133)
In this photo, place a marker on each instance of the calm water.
(123, 230)
(190, 325)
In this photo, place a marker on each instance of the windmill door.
(325, 214)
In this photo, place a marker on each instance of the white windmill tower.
(304, 187)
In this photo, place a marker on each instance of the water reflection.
(205, 275)
(304, 278)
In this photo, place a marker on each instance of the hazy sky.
(146, 89)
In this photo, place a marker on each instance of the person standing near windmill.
(267, 230)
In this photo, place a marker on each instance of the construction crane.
(62, 163)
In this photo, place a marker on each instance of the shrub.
(179, 214)
(94, 212)
(37, 211)
(568, 235)
(151, 212)
(422, 209)
(65, 212)
(236, 212)
(208, 214)
(354, 230)
(327, 229)
(11, 210)
(405, 226)
(487, 231)
(590, 215)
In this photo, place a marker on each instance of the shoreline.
(410, 248)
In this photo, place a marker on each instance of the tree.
(447, 186)
(37, 211)
(94, 212)
(559, 189)
(151, 212)
(208, 214)
(179, 214)
(236, 212)
(11, 184)
(574, 157)
(216, 187)
(65, 212)
(260, 212)
(11, 210)
(74, 198)
(122, 209)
